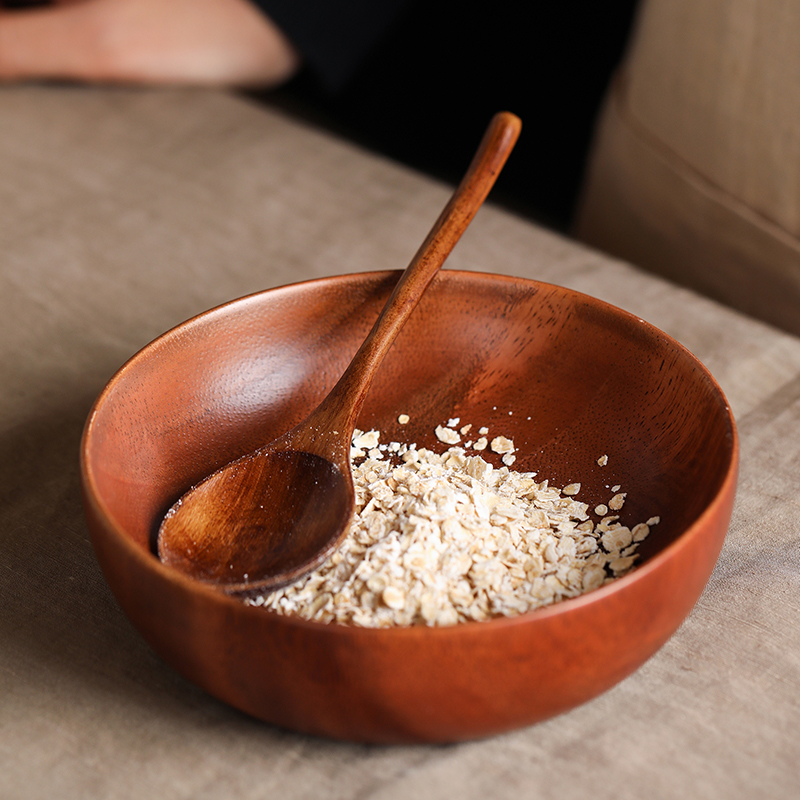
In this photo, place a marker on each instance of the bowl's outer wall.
(580, 380)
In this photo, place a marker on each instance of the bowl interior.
(567, 377)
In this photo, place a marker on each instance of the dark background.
(426, 92)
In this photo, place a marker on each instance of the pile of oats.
(443, 538)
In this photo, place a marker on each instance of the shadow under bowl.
(568, 377)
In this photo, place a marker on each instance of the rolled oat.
(443, 538)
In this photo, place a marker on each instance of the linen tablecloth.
(124, 212)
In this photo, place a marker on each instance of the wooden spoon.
(272, 516)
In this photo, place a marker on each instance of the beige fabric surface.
(125, 212)
(695, 171)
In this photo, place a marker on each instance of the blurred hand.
(201, 42)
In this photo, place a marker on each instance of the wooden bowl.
(568, 377)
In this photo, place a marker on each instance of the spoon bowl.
(306, 500)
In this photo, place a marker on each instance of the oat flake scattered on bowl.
(439, 539)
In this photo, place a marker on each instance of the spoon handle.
(346, 398)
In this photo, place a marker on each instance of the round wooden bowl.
(568, 377)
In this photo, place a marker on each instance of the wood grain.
(582, 379)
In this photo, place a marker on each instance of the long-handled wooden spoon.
(270, 517)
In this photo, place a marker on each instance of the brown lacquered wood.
(273, 515)
(582, 379)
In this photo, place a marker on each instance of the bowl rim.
(148, 561)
